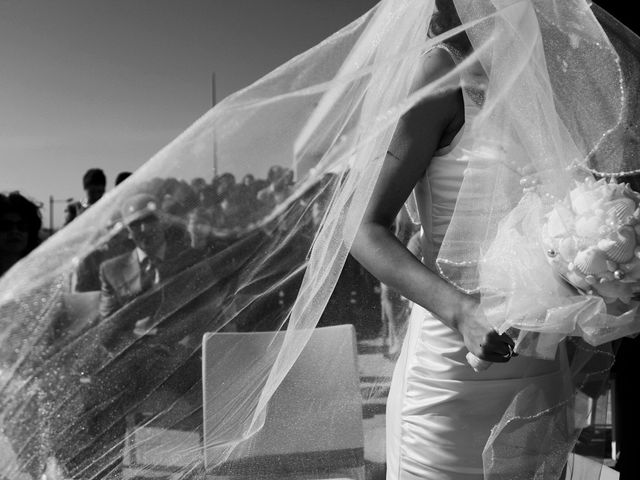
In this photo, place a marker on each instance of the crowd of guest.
(224, 202)
(202, 215)
(211, 215)
(177, 259)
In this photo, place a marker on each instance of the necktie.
(148, 273)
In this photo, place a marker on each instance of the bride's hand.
(483, 341)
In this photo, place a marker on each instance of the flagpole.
(215, 139)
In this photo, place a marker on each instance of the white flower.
(593, 238)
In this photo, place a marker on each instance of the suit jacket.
(200, 291)
(121, 276)
(120, 282)
(123, 300)
(87, 275)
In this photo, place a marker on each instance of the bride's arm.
(422, 130)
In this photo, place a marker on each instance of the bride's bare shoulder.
(437, 63)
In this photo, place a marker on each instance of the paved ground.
(375, 375)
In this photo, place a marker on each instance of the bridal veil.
(558, 97)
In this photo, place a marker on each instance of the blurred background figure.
(197, 184)
(116, 242)
(235, 208)
(274, 173)
(94, 183)
(280, 186)
(178, 199)
(121, 177)
(248, 180)
(254, 185)
(283, 186)
(209, 201)
(20, 223)
(224, 183)
(199, 225)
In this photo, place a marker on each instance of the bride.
(444, 420)
(461, 111)
(439, 412)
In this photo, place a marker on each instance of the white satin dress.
(439, 411)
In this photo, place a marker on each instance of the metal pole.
(213, 89)
(215, 140)
(51, 214)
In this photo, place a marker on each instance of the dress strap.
(455, 54)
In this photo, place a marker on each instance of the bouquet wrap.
(566, 266)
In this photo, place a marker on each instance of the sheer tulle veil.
(557, 98)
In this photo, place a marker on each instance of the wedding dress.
(439, 411)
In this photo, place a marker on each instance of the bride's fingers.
(511, 344)
(492, 353)
(501, 344)
(493, 357)
(496, 350)
(508, 340)
(504, 349)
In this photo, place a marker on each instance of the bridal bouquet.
(566, 268)
(592, 239)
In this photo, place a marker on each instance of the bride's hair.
(445, 17)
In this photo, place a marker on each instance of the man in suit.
(94, 183)
(128, 275)
(146, 318)
(86, 277)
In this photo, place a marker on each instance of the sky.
(108, 83)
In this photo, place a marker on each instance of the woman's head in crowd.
(248, 180)
(208, 196)
(198, 184)
(274, 173)
(199, 225)
(224, 184)
(20, 223)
